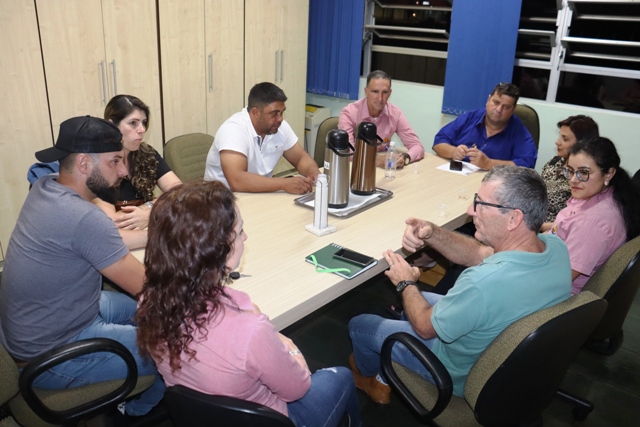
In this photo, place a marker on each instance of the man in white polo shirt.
(249, 144)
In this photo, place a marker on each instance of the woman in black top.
(146, 166)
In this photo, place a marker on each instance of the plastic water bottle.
(391, 161)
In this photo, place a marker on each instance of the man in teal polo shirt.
(514, 271)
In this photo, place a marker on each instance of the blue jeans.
(332, 393)
(115, 321)
(369, 331)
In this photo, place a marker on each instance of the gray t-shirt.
(51, 282)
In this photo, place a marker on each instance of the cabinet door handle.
(115, 78)
(104, 87)
(210, 72)
(276, 77)
(281, 65)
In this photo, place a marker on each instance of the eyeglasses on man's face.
(477, 202)
(581, 174)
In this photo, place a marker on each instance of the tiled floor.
(611, 383)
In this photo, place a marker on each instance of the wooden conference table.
(287, 288)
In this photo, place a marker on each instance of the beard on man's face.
(101, 188)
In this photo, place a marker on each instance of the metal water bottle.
(363, 170)
(336, 167)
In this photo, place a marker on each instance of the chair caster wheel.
(580, 414)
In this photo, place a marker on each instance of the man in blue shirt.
(489, 136)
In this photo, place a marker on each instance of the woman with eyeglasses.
(210, 337)
(571, 129)
(603, 211)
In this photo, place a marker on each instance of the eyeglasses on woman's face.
(581, 174)
(477, 202)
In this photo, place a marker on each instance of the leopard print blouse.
(558, 189)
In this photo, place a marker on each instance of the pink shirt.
(592, 229)
(389, 121)
(241, 356)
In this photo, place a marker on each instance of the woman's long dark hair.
(604, 153)
(143, 165)
(190, 237)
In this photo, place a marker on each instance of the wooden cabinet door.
(293, 76)
(202, 45)
(94, 50)
(23, 108)
(224, 29)
(261, 42)
(131, 45)
(74, 58)
(182, 47)
(276, 51)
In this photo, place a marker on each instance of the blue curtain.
(482, 50)
(335, 47)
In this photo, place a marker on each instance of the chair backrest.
(517, 376)
(31, 407)
(617, 281)
(190, 408)
(636, 180)
(321, 140)
(187, 155)
(530, 119)
(8, 377)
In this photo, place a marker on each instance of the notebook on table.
(326, 263)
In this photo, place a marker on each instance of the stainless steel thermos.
(363, 170)
(336, 167)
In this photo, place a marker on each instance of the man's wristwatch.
(403, 284)
(149, 204)
(407, 159)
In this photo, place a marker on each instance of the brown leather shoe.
(377, 391)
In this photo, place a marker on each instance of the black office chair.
(636, 180)
(616, 281)
(35, 407)
(190, 408)
(512, 381)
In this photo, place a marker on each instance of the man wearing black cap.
(60, 248)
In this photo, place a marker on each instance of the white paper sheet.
(467, 168)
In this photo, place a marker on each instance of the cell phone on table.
(454, 165)
(353, 257)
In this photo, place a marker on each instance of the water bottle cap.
(392, 144)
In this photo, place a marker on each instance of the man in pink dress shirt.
(387, 117)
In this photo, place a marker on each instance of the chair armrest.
(430, 362)
(64, 353)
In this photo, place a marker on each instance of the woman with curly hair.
(146, 166)
(210, 337)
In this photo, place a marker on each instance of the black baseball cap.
(84, 134)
